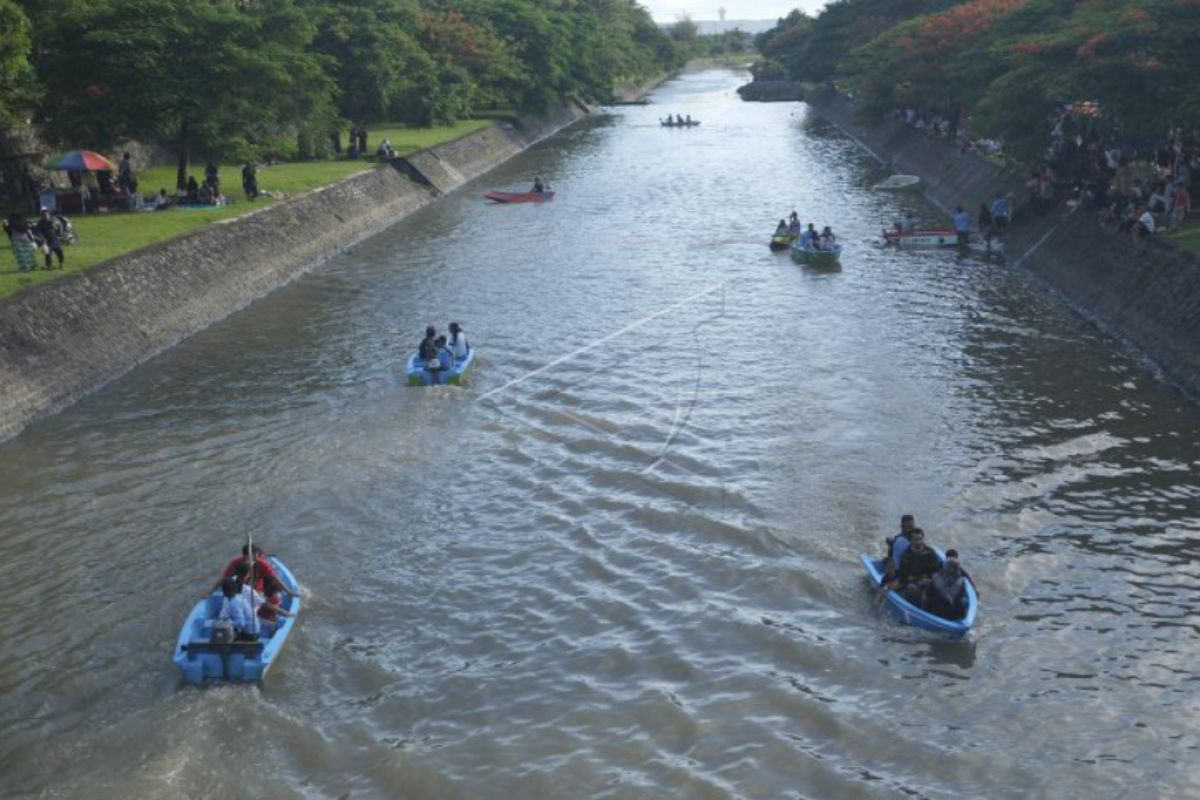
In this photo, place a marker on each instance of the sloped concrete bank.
(61, 340)
(1149, 301)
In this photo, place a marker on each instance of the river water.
(622, 562)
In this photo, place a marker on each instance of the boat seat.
(248, 649)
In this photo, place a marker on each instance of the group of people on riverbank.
(914, 569)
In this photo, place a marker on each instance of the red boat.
(519, 197)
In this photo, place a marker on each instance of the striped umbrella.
(81, 161)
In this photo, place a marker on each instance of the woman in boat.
(782, 228)
(458, 345)
(828, 240)
(427, 350)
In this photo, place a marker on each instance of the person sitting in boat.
(263, 569)
(828, 240)
(257, 601)
(272, 592)
(794, 226)
(458, 345)
(236, 609)
(427, 350)
(782, 228)
(678, 119)
(444, 357)
(809, 237)
(909, 224)
(896, 545)
(539, 185)
(947, 595)
(917, 567)
(688, 120)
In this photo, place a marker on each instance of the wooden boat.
(201, 660)
(781, 243)
(420, 374)
(910, 614)
(899, 183)
(519, 197)
(691, 124)
(803, 253)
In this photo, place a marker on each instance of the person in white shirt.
(237, 608)
(1145, 224)
(457, 343)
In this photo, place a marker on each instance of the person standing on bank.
(962, 226)
(250, 181)
(125, 175)
(47, 230)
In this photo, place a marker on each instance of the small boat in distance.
(803, 253)
(906, 612)
(685, 124)
(201, 660)
(518, 197)
(922, 237)
(431, 373)
(899, 183)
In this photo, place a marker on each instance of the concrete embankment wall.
(61, 340)
(1150, 301)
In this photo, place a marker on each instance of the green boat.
(804, 253)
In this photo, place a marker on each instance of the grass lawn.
(105, 236)
(1187, 237)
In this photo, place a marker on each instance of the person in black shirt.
(47, 231)
(918, 565)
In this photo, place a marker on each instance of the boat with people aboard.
(781, 242)
(439, 360)
(217, 644)
(899, 183)
(813, 255)
(902, 609)
(519, 197)
(678, 122)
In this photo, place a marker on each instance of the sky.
(669, 10)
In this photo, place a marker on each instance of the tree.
(18, 88)
(219, 73)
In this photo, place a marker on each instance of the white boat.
(899, 183)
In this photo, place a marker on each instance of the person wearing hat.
(457, 343)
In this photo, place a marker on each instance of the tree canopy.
(1006, 64)
(231, 78)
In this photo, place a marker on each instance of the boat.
(419, 372)
(899, 183)
(689, 124)
(803, 253)
(924, 237)
(781, 243)
(518, 197)
(906, 612)
(201, 660)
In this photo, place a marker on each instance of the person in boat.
(445, 359)
(458, 345)
(257, 601)
(688, 120)
(427, 350)
(679, 119)
(828, 240)
(539, 185)
(947, 594)
(962, 226)
(909, 224)
(794, 226)
(263, 569)
(896, 545)
(809, 237)
(918, 565)
(782, 228)
(236, 610)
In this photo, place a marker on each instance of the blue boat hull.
(910, 614)
(418, 375)
(201, 662)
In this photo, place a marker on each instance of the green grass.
(1187, 236)
(105, 236)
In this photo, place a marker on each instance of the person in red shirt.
(262, 569)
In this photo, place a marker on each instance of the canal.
(623, 561)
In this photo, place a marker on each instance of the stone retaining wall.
(1149, 301)
(61, 340)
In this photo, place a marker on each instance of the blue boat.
(420, 373)
(201, 660)
(910, 614)
(804, 253)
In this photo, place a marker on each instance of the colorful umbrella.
(81, 160)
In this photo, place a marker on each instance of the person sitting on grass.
(162, 201)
